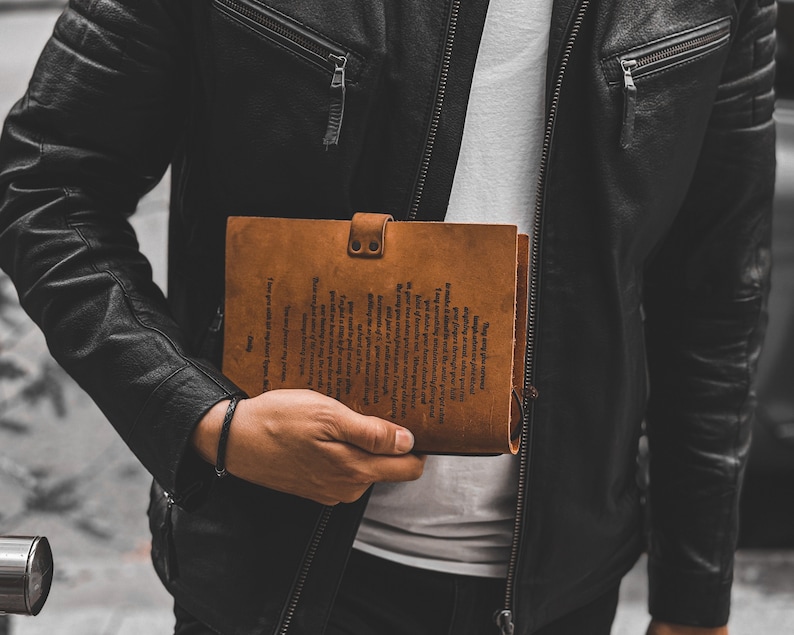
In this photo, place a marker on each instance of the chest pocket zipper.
(305, 43)
(628, 66)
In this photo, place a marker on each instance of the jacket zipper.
(171, 564)
(629, 102)
(452, 21)
(659, 56)
(167, 535)
(505, 618)
(441, 89)
(300, 581)
(303, 42)
(336, 108)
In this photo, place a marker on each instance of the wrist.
(223, 439)
(206, 434)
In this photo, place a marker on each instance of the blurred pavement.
(70, 477)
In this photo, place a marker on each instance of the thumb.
(375, 435)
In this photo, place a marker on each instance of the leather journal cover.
(420, 323)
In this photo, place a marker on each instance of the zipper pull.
(167, 532)
(210, 341)
(504, 620)
(217, 321)
(629, 103)
(336, 109)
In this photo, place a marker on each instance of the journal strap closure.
(367, 235)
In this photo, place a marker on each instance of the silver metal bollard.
(26, 570)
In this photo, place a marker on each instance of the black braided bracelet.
(220, 461)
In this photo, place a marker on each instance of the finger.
(374, 435)
(393, 469)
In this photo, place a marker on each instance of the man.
(646, 182)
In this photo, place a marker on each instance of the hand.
(304, 443)
(665, 628)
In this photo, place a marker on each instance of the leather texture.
(654, 268)
(419, 331)
(367, 235)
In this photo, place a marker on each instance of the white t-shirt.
(459, 516)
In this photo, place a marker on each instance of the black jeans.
(378, 597)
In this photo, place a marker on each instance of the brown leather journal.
(419, 323)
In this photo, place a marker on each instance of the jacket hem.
(691, 598)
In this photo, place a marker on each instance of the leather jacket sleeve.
(94, 132)
(705, 298)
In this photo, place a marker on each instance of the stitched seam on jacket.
(150, 398)
(133, 314)
(187, 361)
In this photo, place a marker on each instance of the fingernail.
(404, 440)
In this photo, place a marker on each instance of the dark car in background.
(768, 497)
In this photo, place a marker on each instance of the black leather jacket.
(652, 260)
